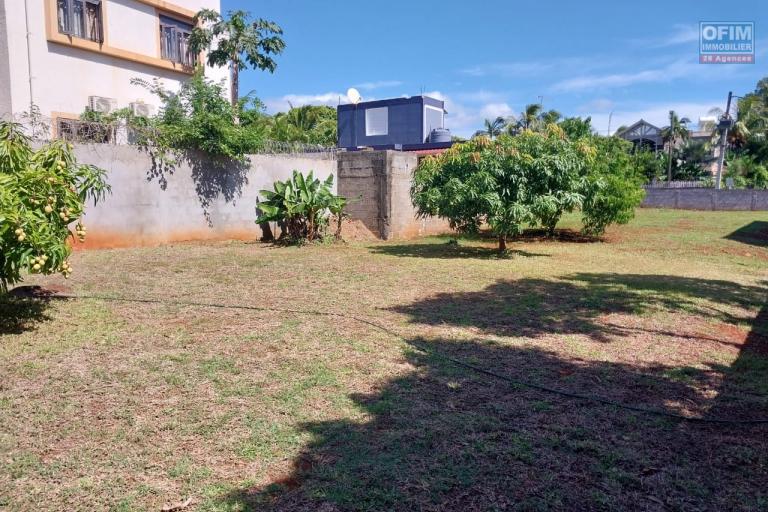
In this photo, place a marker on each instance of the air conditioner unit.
(141, 109)
(102, 104)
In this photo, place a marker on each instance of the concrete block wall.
(377, 185)
(706, 199)
(200, 199)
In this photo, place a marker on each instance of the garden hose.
(431, 351)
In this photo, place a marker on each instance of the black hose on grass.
(428, 350)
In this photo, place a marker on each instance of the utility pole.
(610, 116)
(671, 143)
(725, 123)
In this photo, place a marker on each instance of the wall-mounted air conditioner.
(102, 104)
(141, 109)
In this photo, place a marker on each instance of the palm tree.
(529, 118)
(673, 134)
(493, 128)
(236, 42)
(550, 117)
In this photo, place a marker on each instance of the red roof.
(427, 152)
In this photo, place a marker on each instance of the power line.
(429, 350)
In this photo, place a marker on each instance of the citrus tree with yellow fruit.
(42, 201)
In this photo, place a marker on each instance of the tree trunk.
(669, 158)
(234, 87)
(339, 223)
(502, 243)
(266, 232)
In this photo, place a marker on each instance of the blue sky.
(489, 58)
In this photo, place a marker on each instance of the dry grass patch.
(131, 405)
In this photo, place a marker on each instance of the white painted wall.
(201, 199)
(141, 18)
(63, 77)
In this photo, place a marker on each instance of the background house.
(66, 55)
(643, 135)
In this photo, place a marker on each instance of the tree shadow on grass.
(575, 304)
(441, 437)
(755, 233)
(456, 249)
(23, 308)
(450, 251)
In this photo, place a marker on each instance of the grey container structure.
(398, 123)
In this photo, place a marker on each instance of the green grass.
(116, 405)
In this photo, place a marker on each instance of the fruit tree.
(42, 193)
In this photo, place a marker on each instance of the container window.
(376, 121)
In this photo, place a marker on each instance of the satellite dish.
(354, 95)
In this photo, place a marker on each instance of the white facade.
(58, 72)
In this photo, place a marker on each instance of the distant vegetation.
(746, 152)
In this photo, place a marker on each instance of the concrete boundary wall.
(377, 185)
(200, 199)
(706, 199)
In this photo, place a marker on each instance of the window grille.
(174, 41)
(80, 18)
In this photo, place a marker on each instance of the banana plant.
(303, 204)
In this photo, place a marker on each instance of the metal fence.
(681, 184)
(43, 129)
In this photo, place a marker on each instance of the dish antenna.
(353, 95)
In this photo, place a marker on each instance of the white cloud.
(466, 117)
(508, 69)
(494, 110)
(654, 113)
(597, 105)
(481, 96)
(537, 68)
(681, 34)
(283, 103)
(381, 84)
(682, 68)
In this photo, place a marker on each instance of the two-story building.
(65, 55)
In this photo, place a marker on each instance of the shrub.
(303, 204)
(41, 194)
(746, 172)
(197, 117)
(613, 186)
(531, 179)
(508, 183)
(650, 164)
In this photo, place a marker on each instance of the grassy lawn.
(128, 405)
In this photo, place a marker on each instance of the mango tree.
(507, 184)
(42, 193)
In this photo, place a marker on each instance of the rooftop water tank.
(439, 135)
